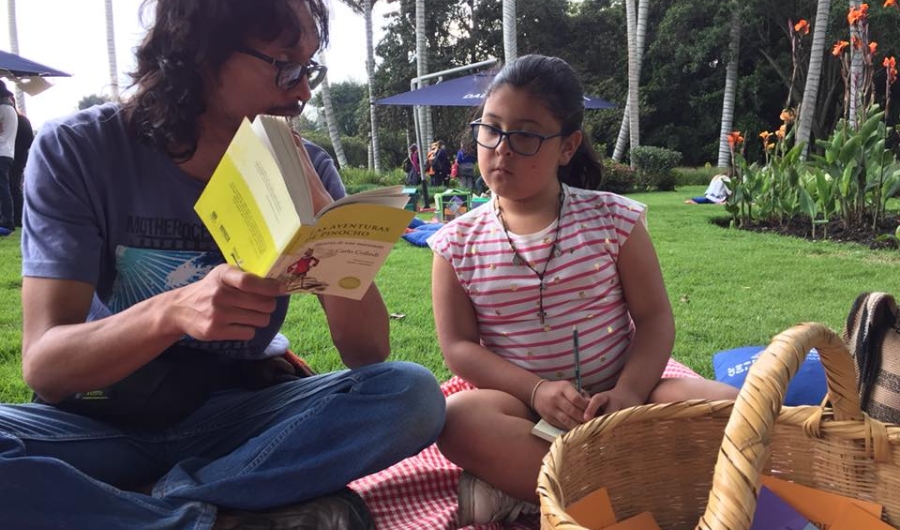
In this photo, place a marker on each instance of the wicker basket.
(672, 460)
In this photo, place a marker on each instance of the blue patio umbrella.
(22, 67)
(465, 91)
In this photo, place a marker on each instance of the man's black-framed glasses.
(289, 74)
(521, 142)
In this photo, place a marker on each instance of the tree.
(111, 51)
(731, 75)
(425, 123)
(510, 43)
(633, 76)
(92, 99)
(625, 128)
(330, 121)
(856, 71)
(364, 7)
(814, 75)
(14, 46)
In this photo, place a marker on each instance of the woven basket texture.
(697, 464)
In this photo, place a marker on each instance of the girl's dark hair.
(192, 38)
(555, 83)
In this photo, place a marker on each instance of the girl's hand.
(610, 401)
(560, 404)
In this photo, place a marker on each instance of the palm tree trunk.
(510, 48)
(856, 73)
(370, 73)
(814, 75)
(425, 123)
(624, 130)
(14, 47)
(633, 77)
(731, 76)
(330, 121)
(111, 51)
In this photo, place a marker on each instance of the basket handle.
(745, 446)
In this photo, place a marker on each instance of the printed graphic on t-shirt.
(143, 273)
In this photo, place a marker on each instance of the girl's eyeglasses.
(290, 74)
(521, 142)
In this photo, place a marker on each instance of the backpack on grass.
(872, 334)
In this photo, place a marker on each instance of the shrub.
(617, 178)
(654, 167)
(696, 176)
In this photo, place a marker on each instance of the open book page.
(544, 430)
(341, 254)
(276, 135)
(246, 205)
(390, 196)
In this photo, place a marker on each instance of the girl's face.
(510, 174)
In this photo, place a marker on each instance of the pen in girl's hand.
(577, 359)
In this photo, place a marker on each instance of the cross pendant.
(541, 315)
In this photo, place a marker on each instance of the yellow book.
(259, 210)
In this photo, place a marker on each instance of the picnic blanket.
(419, 493)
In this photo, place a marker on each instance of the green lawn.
(728, 288)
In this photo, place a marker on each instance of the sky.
(70, 35)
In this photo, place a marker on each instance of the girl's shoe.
(480, 503)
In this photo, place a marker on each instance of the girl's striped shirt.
(582, 285)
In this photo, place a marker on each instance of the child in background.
(511, 280)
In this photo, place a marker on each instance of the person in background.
(163, 399)
(465, 160)
(413, 175)
(9, 127)
(24, 138)
(716, 193)
(510, 281)
(442, 164)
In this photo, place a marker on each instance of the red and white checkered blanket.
(419, 493)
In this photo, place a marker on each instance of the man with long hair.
(163, 399)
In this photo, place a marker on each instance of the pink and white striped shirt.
(582, 285)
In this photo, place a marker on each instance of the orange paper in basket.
(855, 518)
(641, 521)
(594, 511)
(821, 507)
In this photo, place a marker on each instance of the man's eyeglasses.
(290, 74)
(521, 142)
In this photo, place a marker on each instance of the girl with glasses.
(511, 281)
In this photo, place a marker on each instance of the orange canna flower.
(839, 47)
(781, 132)
(765, 136)
(872, 47)
(770, 146)
(890, 65)
(735, 139)
(889, 3)
(802, 27)
(858, 14)
(787, 116)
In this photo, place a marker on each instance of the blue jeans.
(242, 449)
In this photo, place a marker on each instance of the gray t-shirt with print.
(105, 209)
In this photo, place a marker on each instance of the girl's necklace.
(554, 251)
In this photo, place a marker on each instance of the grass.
(728, 288)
